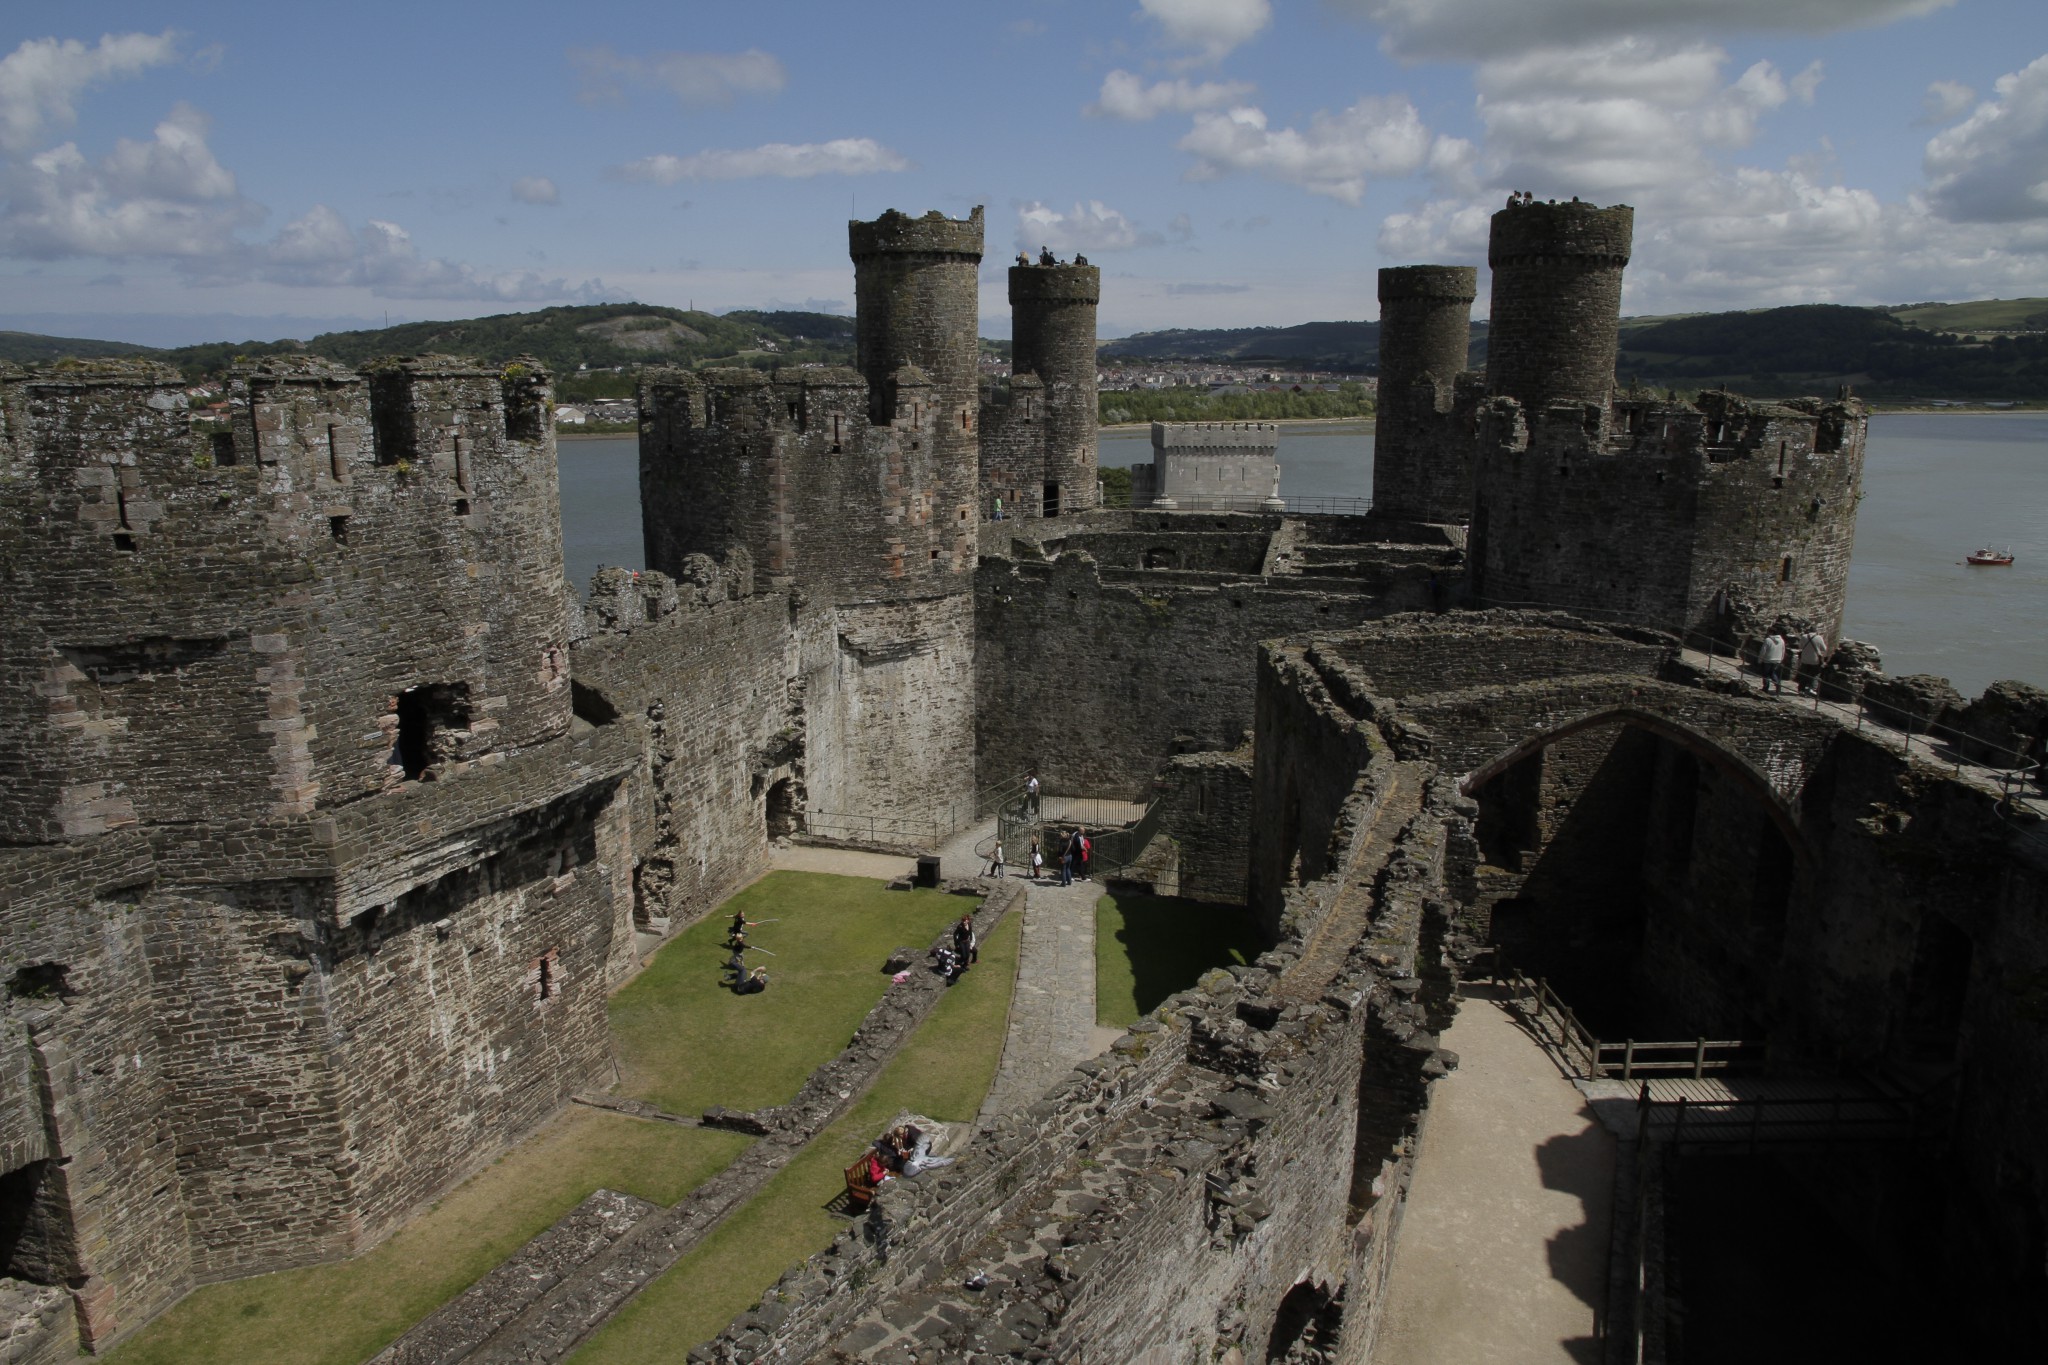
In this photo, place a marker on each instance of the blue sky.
(174, 173)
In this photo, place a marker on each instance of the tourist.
(752, 983)
(1770, 661)
(1031, 794)
(1067, 859)
(1813, 652)
(964, 942)
(999, 507)
(996, 867)
(1085, 847)
(1037, 861)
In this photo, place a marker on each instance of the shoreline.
(1365, 423)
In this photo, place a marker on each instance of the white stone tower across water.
(1204, 465)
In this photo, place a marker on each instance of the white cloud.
(535, 189)
(1622, 117)
(698, 79)
(841, 156)
(164, 197)
(1381, 135)
(40, 80)
(320, 249)
(1092, 226)
(1993, 166)
(1212, 26)
(1944, 100)
(1492, 28)
(1126, 96)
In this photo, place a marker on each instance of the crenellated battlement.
(934, 234)
(1534, 232)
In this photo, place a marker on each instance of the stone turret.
(1052, 320)
(1552, 330)
(1422, 468)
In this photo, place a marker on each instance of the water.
(1935, 487)
(600, 506)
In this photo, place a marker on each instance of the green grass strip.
(686, 1043)
(944, 1072)
(342, 1312)
(1149, 947)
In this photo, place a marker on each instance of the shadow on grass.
(1149, 947)
(943, 1071)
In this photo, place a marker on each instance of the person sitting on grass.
(753, 983)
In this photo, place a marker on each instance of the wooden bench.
(860, 1190)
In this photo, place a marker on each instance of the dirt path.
(1503, 1255)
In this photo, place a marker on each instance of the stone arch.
(1733, 764)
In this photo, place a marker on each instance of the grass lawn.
(341, 1313)
(686, 1043)
(683, 1043)
(1148, 947)
(944, 1071)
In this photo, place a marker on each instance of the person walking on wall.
(999, 507)
(1031, 794)
(1770, 661)
(1813, 652)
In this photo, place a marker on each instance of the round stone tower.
(917, 300)
(1421, 470)
(1556, 301)
(1052, 319)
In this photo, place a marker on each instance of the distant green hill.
(26, 348)
(1313, 345)
(1984, 315)
(1811, 347)
(599, 337)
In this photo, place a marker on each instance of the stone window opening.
(935, 556)
(223, 445)
(544, 975)
(1052, 500)
(966, 420)
(462, 507)
(336, 466)
(462, 463)
(835, 434)
(780, 812)
(121, 510)
(1781, 462)
(1785, 569)
(41, 981)
(652, 606)
(425, 714)
(36, 1240)
(337, 529)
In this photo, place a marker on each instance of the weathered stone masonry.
(292, 811)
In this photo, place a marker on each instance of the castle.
(331, 816)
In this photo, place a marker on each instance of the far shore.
(1369, 424)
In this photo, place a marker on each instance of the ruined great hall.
(330, 815)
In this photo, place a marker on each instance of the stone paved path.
(1503, 1251)
(1052, 1013)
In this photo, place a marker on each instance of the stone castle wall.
(1189, 638)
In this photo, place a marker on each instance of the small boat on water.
(1987, 555)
